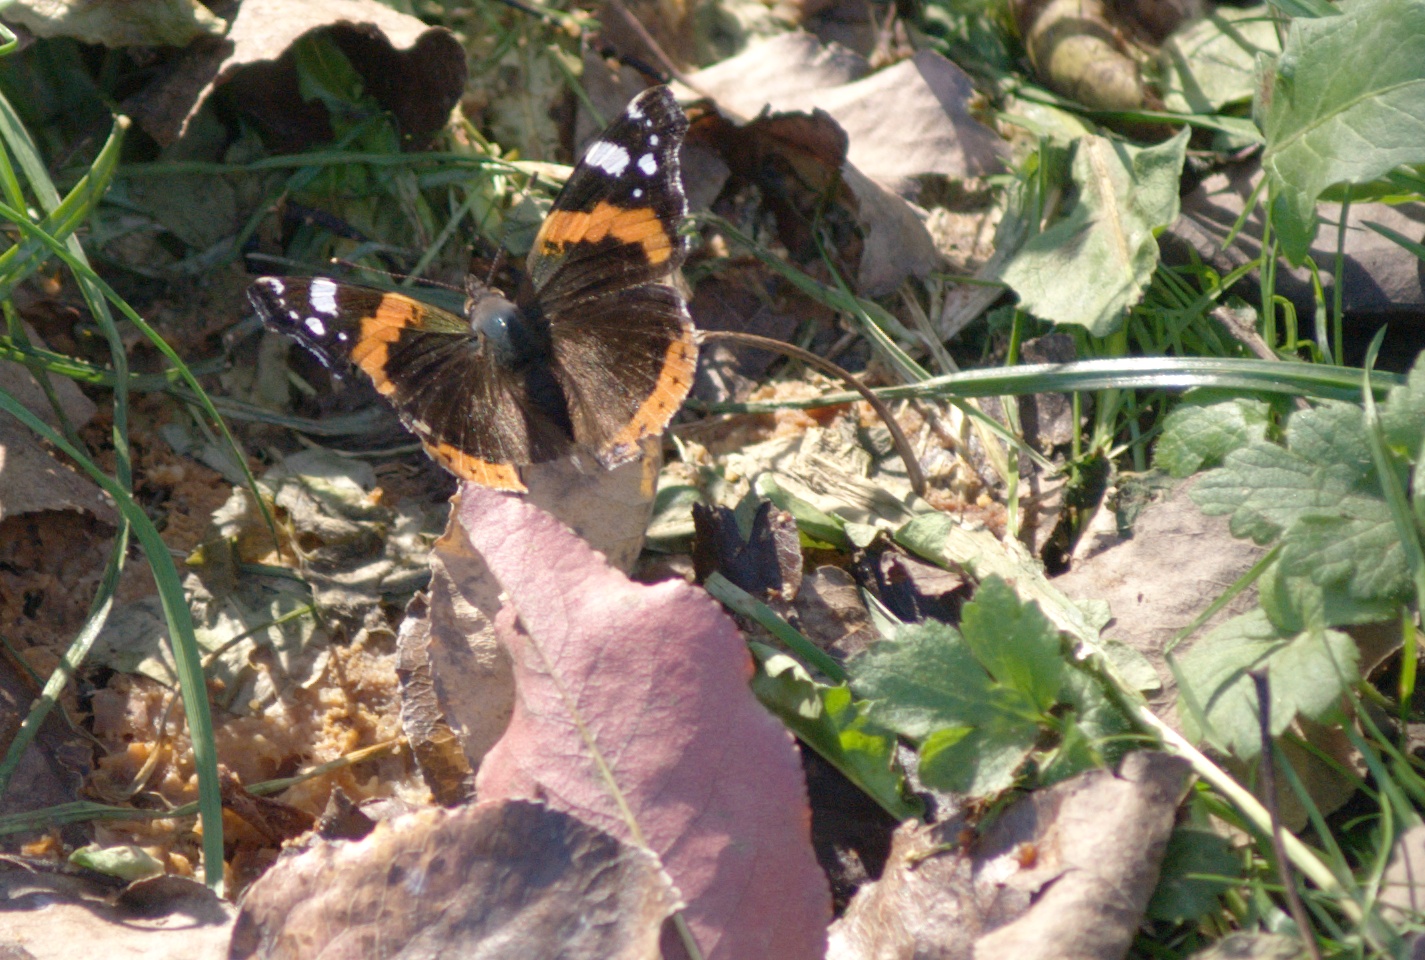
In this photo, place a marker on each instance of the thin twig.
(898, 437)
(1267, 766)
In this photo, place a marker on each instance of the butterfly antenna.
(397, 277)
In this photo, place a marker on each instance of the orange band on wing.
(633, 225)
(680, 363)
(372, 350)
(496, 476)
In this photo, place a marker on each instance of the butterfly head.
(512, 338)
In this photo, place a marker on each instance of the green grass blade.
(1317, 381)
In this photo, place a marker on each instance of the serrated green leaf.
(1015, 642)
(829, 721)
(1402, 416)
(1264, 488)
(1201, 433)
(924, 680)
(1346, 104)
(1321, 496)
(979, 761)
(1295, 603)
(1309, 671)
(1092, 264)
(1358, 548)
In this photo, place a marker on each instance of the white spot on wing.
(638, 193)
(653, 139)
(635, 111)
(608, 157)
(323, 296)
(648, 164)
(317, 328)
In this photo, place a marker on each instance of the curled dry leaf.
(635, 697)
(504, 881)
(415, 71)
(1064, 873)
(881, 154)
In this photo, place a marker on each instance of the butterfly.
(597, 355)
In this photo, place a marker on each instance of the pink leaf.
(652, 681)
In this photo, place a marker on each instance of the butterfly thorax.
(513, 336)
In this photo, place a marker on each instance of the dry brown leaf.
(415, 71)
(1064, 874)
(47, 914)
(497, 880)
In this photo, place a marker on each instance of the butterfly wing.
(621, 338)
(473, 416)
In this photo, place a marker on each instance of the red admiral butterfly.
(598, 356)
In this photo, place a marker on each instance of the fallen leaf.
(46, 910)
(172, 23)
(763, 557)
(496, 880)
(1065, 872)
(415, 71)
(454, 674)
(636, 697)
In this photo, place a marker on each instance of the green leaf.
(1213, 62)
(1321, 496)
(924, 680)
(1309, 671)
(1093, 264)
(979, 703)
(1345, 104)
(126, 861)
(1015, 642)
(980, 761)
(835, 726)
(1402, 416)
(1202, 431)
(1187, 886)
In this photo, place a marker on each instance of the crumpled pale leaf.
(415, 71)
(162, 918)
(1161, 577)
(655, 679)
(1064, 872)
(153, 23)
(503, 881)
(931, 132)
(1095, 260)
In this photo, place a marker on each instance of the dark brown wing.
(621, 338)
(473, 417)
(615, 223)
